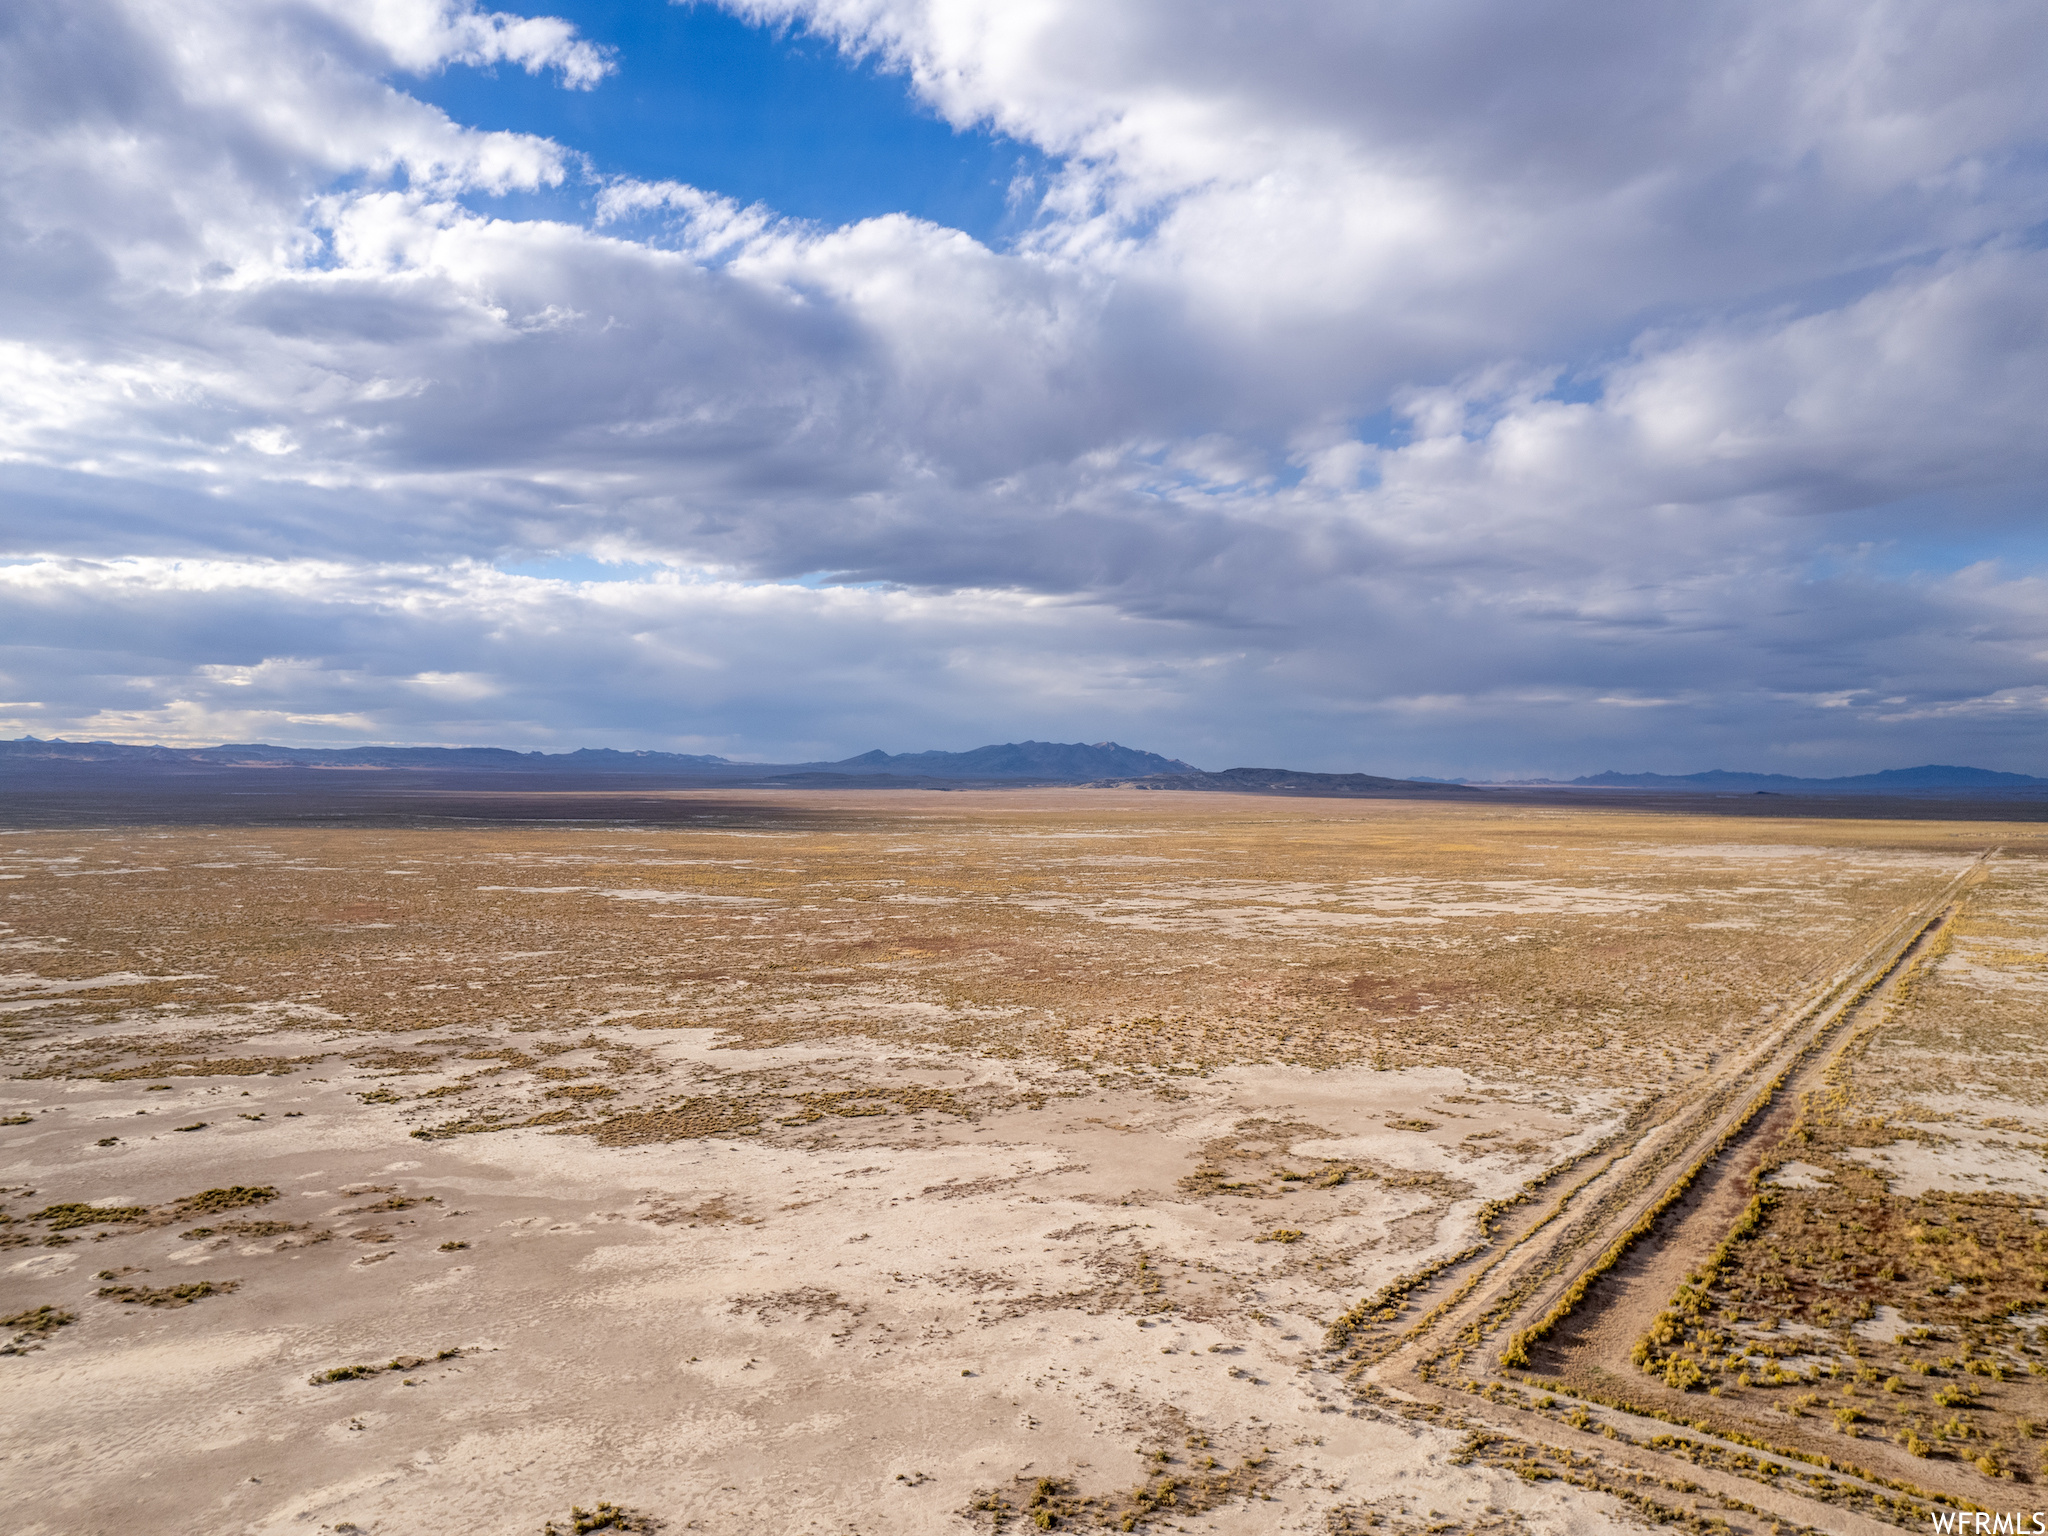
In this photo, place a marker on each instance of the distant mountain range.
(1890, 781)
(1041, 761)
(1104, 763)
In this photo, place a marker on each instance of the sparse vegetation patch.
(32, 1326)
(364, 1372)
(602, 1517)
(215, 1202)
(169, 1295)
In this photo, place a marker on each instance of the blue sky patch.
(784, 119)
(575, 567)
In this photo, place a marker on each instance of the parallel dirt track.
(1555, 1274)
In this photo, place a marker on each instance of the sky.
(1476, 388)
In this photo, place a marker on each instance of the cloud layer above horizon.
(1468, 387)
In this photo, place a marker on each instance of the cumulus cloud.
(1451, 387)
(423, 37)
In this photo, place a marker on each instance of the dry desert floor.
(934, 1162)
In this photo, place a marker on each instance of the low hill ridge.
(1889, 780)
(1046, 761)
(1073, 761)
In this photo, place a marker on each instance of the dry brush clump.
(215, 1202)
(33, 1326)
(66, 1217)
(604, 1516)
(168, 1295)
(396, 1363)
(1190, 1481)
(1396, 1517)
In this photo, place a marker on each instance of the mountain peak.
(1073, 762)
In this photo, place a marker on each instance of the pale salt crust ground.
(856, 1331)
(1967, 1159)
(747, 1337)
(1972, 1144)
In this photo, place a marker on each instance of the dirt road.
(1637, 1223)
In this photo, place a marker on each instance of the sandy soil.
(703, 1328)
(850, 1170)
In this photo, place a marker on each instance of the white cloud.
(421, 37)
(1417, 380)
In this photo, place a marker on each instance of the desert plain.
(1075, 1159)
